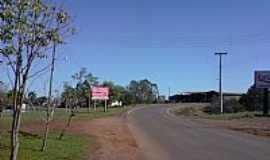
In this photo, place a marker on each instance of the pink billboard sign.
(100, 93)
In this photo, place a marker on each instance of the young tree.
(84, 82)
(61, 27)
(27, 32)
(69, 95)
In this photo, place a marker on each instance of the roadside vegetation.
(71, 146)
(249, 105)
(244, 114)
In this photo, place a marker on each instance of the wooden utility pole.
(266, 102)
(220, 81)
(169, 93)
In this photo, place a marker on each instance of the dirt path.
(113, 138)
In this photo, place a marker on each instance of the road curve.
(176, 138)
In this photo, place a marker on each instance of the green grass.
(197, 112)
(72, 147)
(100, 113)
(228, 116)
(61, 114)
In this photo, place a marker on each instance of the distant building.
(201, 97)
(229, 96)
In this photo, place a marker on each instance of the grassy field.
(72, 147)
(61, 114)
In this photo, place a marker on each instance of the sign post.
(262, 81)
(100, 93)
(95, 105)
(105, 108)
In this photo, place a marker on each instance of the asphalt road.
(180, 138)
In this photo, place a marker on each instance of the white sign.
(100, 93)
(262, 79)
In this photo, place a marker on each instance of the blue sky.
(170, 42)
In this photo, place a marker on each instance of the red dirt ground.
(114, 140)
(255, 126)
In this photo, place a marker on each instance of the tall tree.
(69, 96)
(27, 32)
(84, 82)
(32, 96)
(143, 91)
(90, 81)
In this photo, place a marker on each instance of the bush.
(233, 106)
(214, 106)
(230, 106)
(253, 100)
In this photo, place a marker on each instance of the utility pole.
(220, 81)
(169, 93)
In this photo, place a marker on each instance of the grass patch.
(70, 148)
(187, 111)
(228, 116)
(197, 111)
(100, 113)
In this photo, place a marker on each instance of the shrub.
(230, 106)
(253, 100)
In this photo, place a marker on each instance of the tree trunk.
(67, 125)
(45, 137)
(1, 112)
(50, 109)
(89, 104)
(15, 134)
(14, 137)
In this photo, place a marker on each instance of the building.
(201, 97)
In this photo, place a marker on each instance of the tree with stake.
(27, 32)
(61, 28)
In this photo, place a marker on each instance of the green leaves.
(8, 50)
(6, 15)
(62, 17)
(143, 91)
(6, 34)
